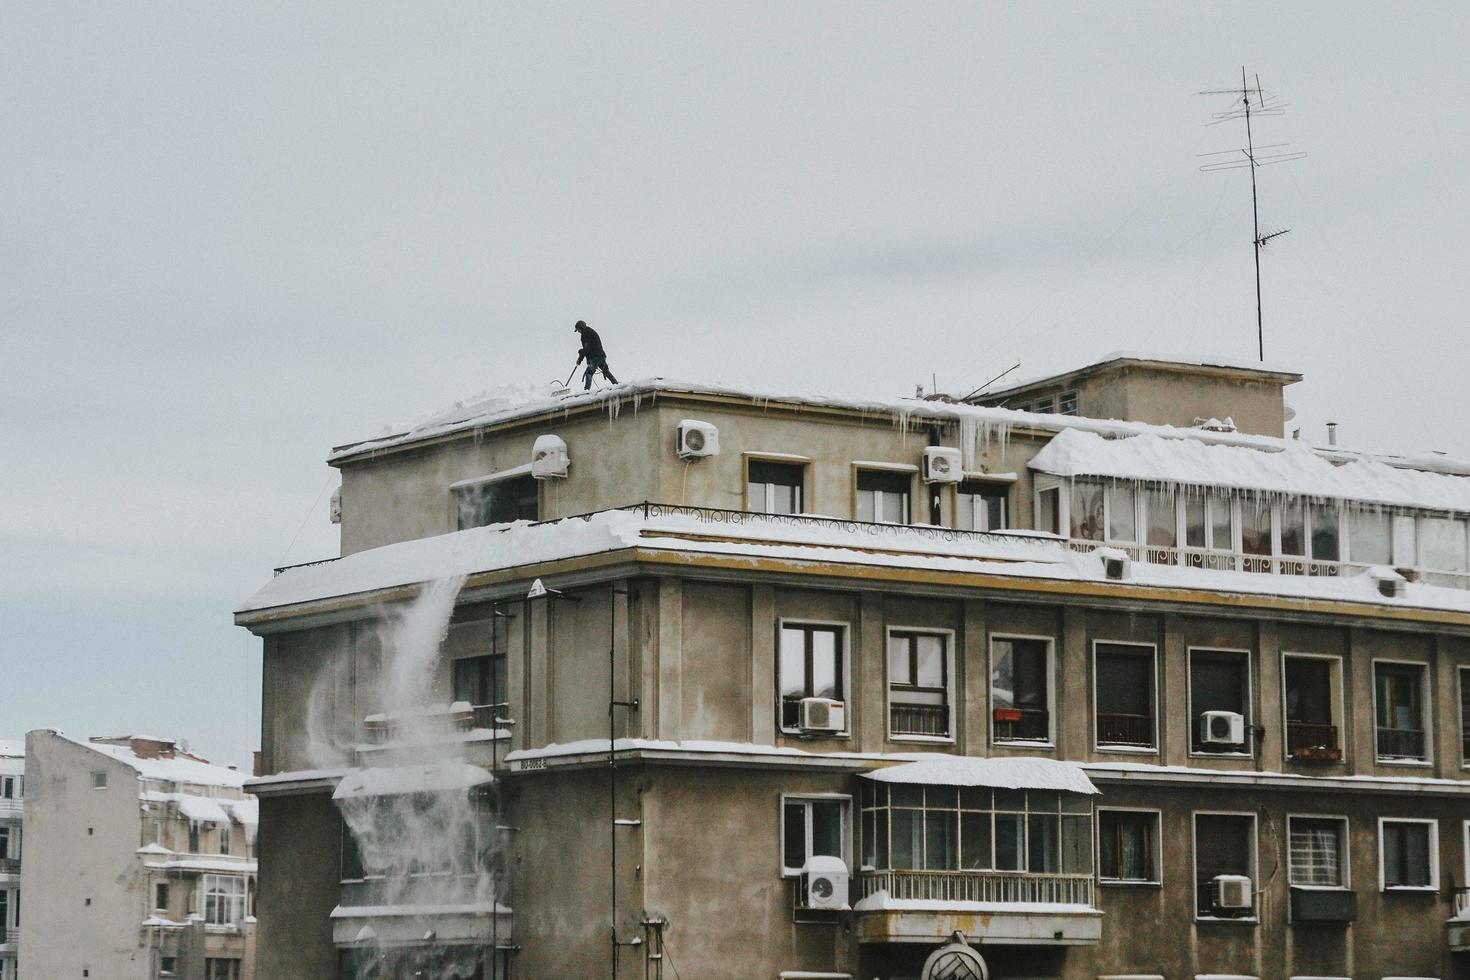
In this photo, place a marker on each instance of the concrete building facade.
(139, 862)
(742, 684)
(12, 803)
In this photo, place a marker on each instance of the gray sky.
(234, 235)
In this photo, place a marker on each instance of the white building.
(12, 779)
(139, 862)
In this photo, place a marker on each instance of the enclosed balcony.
(1000, 849)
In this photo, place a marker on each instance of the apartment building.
(12, 799)
(139, 862)
(716, 683)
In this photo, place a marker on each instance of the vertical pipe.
(1250, 153)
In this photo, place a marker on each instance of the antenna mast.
(1253, 100)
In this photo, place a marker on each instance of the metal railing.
(11, 805)
(1312, 741)
(1400, 743)
(979, 886)
(381, 729)
(1032, 725)
(9, 936)
(1114, 728)
(918, 719)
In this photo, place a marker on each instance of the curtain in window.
(1315, 858)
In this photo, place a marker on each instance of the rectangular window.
(224, 839)
(1318, 851)
(353, 867)
(5, 854)
(918, 684)
(1370, 540)
(9, 787)
(221, 969)
(1048, 510)
(167, 965)
(193, 837)
(1311, 707)
(811, 667)
(1293, 526)
(1224, 847)
(1409, 854)
(497, 502)
(1255, 529)
(1325, 545)
(99, 780)
(1122, 513)
(1398, 698)
(1124, 675)
(774, 488)
(981, 506)
(883, 496)
(224, 899)
(160, 896)
(964, 828)
(1128, 846)
(1405, 541)
(1020, 698)
(1162, 521)
(813, 827)
(1044, 406)
(480, 681)
(1442, 544)
(1219, 680)
(1465, 718)
(1087, 510)
(1067, 403)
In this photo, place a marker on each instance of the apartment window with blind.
(1124, 697)
(774, 488)
(1128, 847)
(1318, 852)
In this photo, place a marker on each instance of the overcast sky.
(234, 235)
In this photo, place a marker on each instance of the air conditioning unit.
(549, 459)
(1117, 564)
(823, 715)
(698, 440)
(1222, 728)
(941, 464)
(1232, 892)
(824, 882)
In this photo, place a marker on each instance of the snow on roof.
(180, 770)
(1290, 468)
(12, 748)
(200, 809)
(1008, 773)
(203, 864)
(1154, 357)
(245, 812)
(443, 777)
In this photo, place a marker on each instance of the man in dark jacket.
(593, 353)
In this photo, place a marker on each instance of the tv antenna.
(1251, 100)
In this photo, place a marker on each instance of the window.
(1255, 531)
(774, 488)
(1020, 694)
(812, 827)
(221, 969)
(1048, 510)
(1311, 705)
(918, 684)
(224, 839)
(224, 899)
(1370, 540)
(1324, 519)
(99, 780)
(1087, 510)
(1209, 523)
(353, 868)
(1408, 854)
(497, 501)
(1219, 680)
(1318, 852)
(1442, 544)
(1398, 699)
(981, 506)
(1465, 718)
(193, 837)
(883, 495)
(1067, 403)
(1224, 845)
(160, 896)
(1044, 406)
(1293, 527)
(974, 828)
(1128, 846)
(1161, 518)
(811, 667)
(10, 788)
(167, 965)
(1122, 513)
(9, 843)
(1124, 678)
(480, 681)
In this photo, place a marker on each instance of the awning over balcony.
(949, 770)
(444, 777)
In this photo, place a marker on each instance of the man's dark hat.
(581, 325)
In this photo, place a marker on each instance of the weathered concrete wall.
(300, 855)
(1144, 394)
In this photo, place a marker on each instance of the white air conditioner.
(941, 464)
(824, 882)
(1117, 564)
(549, 459)
(698, 440)
(1231, 892)
(1222, 728)
(823, 715)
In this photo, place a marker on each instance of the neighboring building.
(12, 799)
(138, 862)
(841, 738)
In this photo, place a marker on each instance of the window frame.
(803, 463)
(99, 778)
(1157, 881)
(1255, 865)
(1003, 488)
(1250, 703)
(1462, 675)
(844, 664)
(846, 799)
(1344, 854)
(490, 662)
(243, 898)
(1061, 506)
(1051, 691)
(1338, 709)
(1426, 693)
(479, 482)
(949, 664)
(1153, 700)
(1433, 857)
(900, 469)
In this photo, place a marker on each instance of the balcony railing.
(918, 719)
(1461, 901)
(1022, 725)
(11, 805)
(1310, 741)
(9, 936)
(1400, 743)
(9, 866)
(1125, 729)
(995, 887)
(380, 729)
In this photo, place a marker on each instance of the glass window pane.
(1122, 515)
(978, 798)
(908, 841)
(1369, 539)
(939, 849)
(1002, 674)
(896, 508)
(975, 841)
(1010, 799)
(941, 797)
(793, 662)
(966, 516)
(1010, 843)
(880, 832)
(995, 512)
(824, 665)
(898, 660)
(827, 827)
(1076, 844)
(867, 505)
(1293, 527)
(1087, 510)
(1041, 801)
(1255, 526)
(1194, 521)
(1324, 532)
(1315, 857)
(1221, 521)
(1442, 544)
(793, 854)
(907, 795)
(931, 661)
(1043, 852)
(1046, 511)
(1162, 518)
(1405, 553)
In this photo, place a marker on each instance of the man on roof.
(595, 356)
